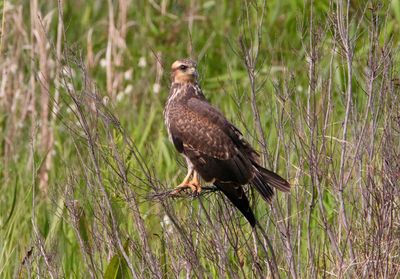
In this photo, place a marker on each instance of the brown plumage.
(213, 147)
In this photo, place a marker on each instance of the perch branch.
(163, 195)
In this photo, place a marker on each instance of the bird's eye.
(183, 67)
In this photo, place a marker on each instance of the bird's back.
(213, 146)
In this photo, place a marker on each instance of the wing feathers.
(237, 169)
(201, 133)
(219, 152)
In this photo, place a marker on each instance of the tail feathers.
(236, 195)
(263, 181)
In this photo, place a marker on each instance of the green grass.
(74, 224)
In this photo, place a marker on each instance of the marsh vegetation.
(314, 86)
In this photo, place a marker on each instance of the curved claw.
(193, 184)
(195, 187)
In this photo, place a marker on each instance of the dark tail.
(263, 181)
(236, 195)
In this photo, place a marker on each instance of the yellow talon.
(193, 184)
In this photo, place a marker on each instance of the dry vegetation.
(84, 154)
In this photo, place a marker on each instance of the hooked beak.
(194, 72)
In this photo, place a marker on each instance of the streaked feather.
(217, 149)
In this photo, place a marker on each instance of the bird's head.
(184, 71)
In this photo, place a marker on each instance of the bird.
(214, 149)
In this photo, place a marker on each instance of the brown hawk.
(213, 147)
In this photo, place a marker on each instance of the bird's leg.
(195, 183)
(185, 183)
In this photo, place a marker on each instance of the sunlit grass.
(211, 29)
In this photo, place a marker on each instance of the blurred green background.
(302, 92)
